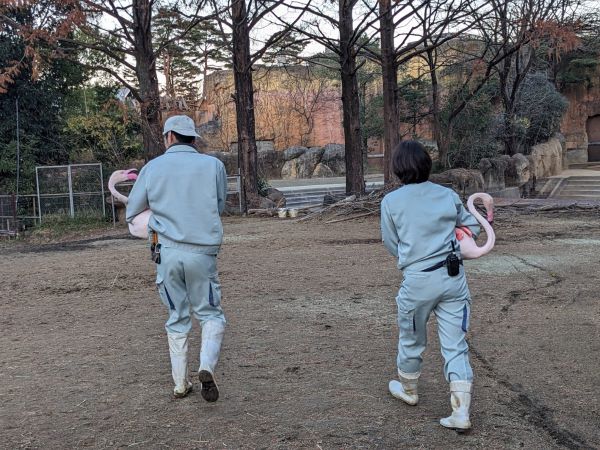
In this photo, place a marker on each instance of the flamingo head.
(119, 176)
(488, 204)
(132, 174)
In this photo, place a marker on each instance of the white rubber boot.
(212, 336)
(406, 388)
(178, 347)
(460, 398)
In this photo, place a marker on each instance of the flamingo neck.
(489, 231)
(116, 194)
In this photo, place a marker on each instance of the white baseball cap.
(183, 125)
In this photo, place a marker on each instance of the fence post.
(102, 189)
(37, 186)
(14, 211)
(239, 190)
(71, 206)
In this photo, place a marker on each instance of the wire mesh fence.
(17, 213)
(74, 190)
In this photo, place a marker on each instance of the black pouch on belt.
(453, 263)
(155, 248)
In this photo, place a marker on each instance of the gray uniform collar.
(178, 148)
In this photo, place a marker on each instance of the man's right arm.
(138, 198)
(221, 187)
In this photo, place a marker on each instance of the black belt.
(438, 266)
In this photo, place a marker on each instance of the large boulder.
(293, 152)
(492, 171)
(266, 203)
(517, 172)
(322, 171)
(334, 157)
(308, 161)
(464, 181)
(276, 197)
(270, 163)
(547, 158)
(290, 169)
(304, 165)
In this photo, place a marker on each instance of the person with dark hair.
(417, 227)
(186, 190)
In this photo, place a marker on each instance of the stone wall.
(294, 162)
(545, 160)
(291, 107)
(584, 103)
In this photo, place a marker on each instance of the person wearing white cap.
(186, 190)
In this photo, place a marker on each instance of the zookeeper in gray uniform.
(186, 190)
(417, 226)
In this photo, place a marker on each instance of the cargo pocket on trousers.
(163, 292)
(406, 320)
(214, 292)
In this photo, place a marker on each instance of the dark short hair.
(411, 162)
(183, 139)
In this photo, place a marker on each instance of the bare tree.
(410, 30)
(517, 29)
(118, 37)
(243, 17)
(350, 21)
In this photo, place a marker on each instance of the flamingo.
(468, 247)
(139, 226)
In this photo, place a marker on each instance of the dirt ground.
(310, 345)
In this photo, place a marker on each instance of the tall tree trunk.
(444, 142)
(391, 119)
(204, 74)
(168, 71)
(244, 103)
(435, 109)
(355, 179)
(145, 68)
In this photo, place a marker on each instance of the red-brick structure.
(581, 122)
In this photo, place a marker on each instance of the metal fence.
(73, 190)
(76, 189)
(17, 213)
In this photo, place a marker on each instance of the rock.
(266, 203)
(334, 157)
(293, 152)
(577, 156)
(517, 171)
(464, 181)
(276, 197)
(270, 163)
(265, 146)
(547, 158)
(322, 171)
(492, 171)
(308, 161)
(290, 169)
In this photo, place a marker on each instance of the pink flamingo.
(468, 247)
(139, 226)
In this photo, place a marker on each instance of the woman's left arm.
(389, 235)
